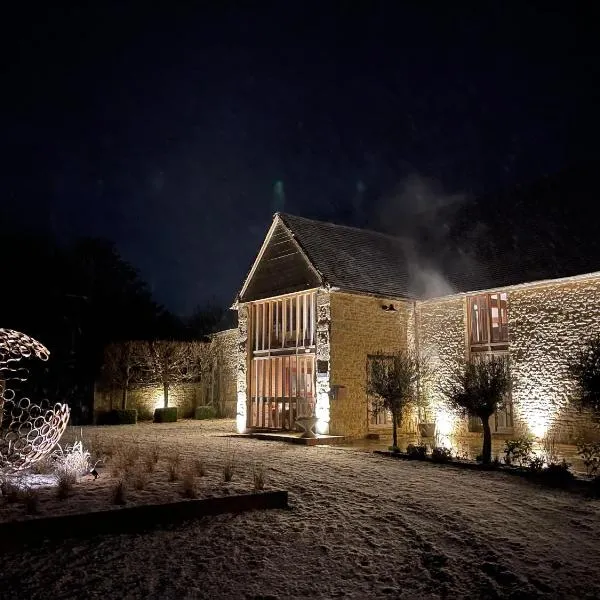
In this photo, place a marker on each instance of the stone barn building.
(321, 299)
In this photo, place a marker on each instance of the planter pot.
(427, 430)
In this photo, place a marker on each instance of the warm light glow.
(445, 424)
(240, 418)
(322, 412)
(539, 413)
(158, 397)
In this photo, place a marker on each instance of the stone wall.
(242, 360)
(218, 390)
(546, 324)
(323, 364)
(360, 327)
(224, 386)
(145, 399)
(441, 339)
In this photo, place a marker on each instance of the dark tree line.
(76, 298)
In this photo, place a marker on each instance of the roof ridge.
(340, 226)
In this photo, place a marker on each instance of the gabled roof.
(348, 258)
(353, 259)
(369, 262)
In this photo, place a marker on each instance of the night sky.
(177, 132)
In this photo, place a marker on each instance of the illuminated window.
(488, 321)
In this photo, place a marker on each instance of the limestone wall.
(242, 360)
(546, 325)
(360, 327)
(145, 399)
(441, 338)
(218, 389)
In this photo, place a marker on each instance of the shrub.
(140, 478)
(73, 458)
(395, 449)
(590, 454)
(31, 500)
(45, 466)
(536, 464)
(595, 487)
(165, 415)
(549, 446)
(199, 467)
(117, 417)
(441, 455)
(518, 451)
(149, 463)
(10, 490)
(557, 474)
(188, 487)
(258, 475)
(416, 451)
(229, 465)
(173, 471)
(119, 495)
(205, 412)
(65, 480)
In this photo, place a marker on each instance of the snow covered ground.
(361, 526)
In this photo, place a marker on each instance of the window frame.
(486, 342)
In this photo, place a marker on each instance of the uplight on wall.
(240, 418)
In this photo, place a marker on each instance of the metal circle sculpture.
(28, 431)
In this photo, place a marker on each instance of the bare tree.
(479, 388)
(393, 383)
(119, 368)
(584, 368)
(168, 362)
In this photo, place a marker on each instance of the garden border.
(576, 484)
(130, 519)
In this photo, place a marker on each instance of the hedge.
(205, 412)
(165, 415)
(117, 417)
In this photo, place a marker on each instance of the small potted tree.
(478, 388)
(393, 384)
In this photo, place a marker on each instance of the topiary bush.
(416, 451)
(117, 417)
(165, 415)
(441, 455)
(205, 412)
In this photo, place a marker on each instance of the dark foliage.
(392, 383)
(165, 415)
(75, 298)
(584, 368)
(556, 474)
(478, 388)
(518, 452)
(117, 417)
(416, 451)
(205, 412)
(590, 454)
(441, 455)
(536, 464)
